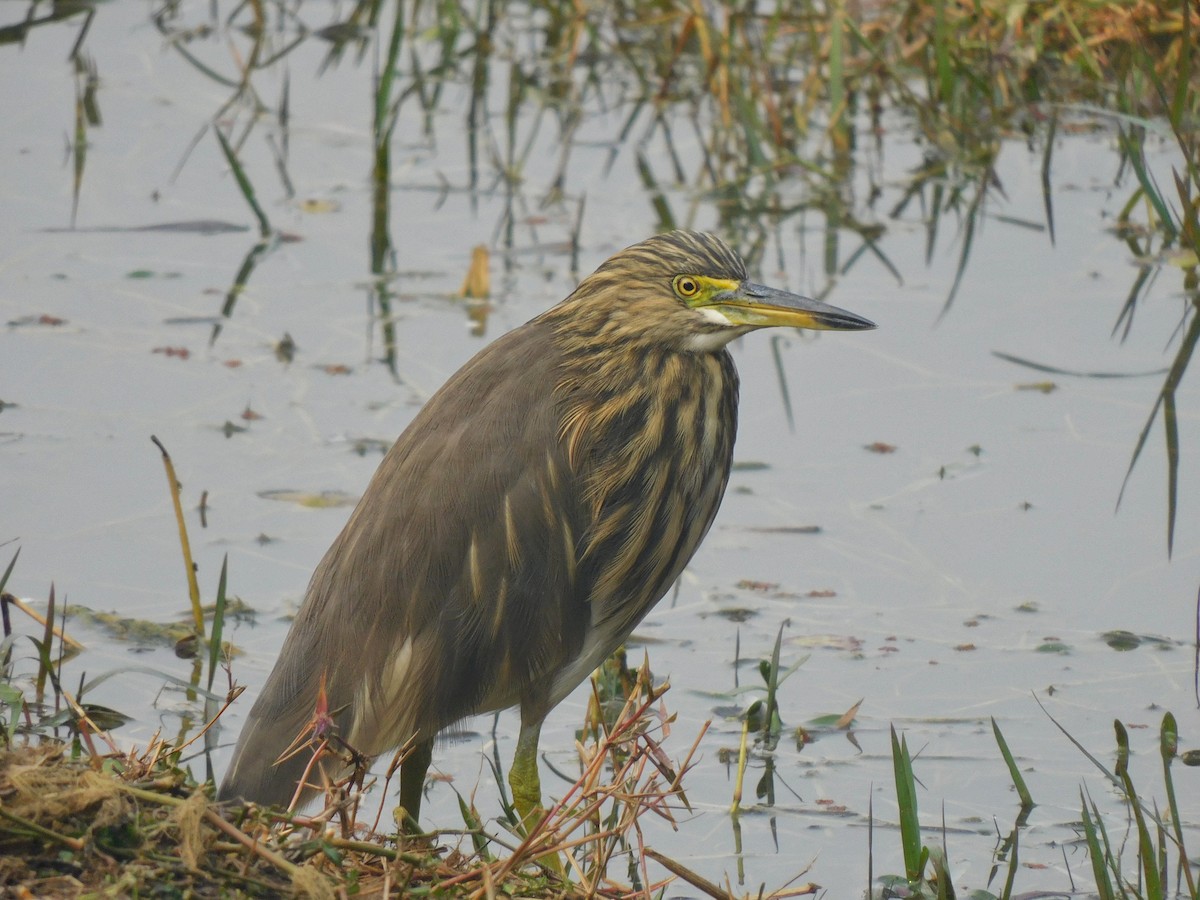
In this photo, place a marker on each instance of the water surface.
(968, 573)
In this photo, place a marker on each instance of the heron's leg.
(523, 776)
(412, 783)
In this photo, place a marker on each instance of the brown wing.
(453, 585)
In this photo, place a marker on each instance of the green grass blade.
(384, 114)
(79, 150)
(1122, 766)
(8, 571)
(870, 245)
(658, 199)
(770, 728)
(941, 52)
(1153, 887)
(1078, 746)
(1047, 155)
(218, 625)
(1010, 879)
(1092, 831)
(474, 825)
(1189, 216)
(45, 666)
(13, 700)
(941, 873)
(973, 214)
(1171, 433)
(906, 801)
(1085, 51)
(1168, 742)
(1166, 400)
(1134, 149)
(1013, 771)
(870, 842)
(243, 182)
(837, 74)
(779, 341)
(1184, 90)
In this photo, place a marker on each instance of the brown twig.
(695, 880)
(37, 617)
(188, 562)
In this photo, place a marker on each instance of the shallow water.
(970, 573)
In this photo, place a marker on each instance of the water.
(943, 575)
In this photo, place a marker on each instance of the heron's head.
(690, 290)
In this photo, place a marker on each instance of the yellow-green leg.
(523, 776)
(524, 781)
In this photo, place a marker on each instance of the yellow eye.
(686, 286)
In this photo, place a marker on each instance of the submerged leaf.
(319, 500)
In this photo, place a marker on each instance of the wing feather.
(452, 585)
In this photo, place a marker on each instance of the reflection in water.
(771, 119)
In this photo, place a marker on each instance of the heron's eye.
(686, 286)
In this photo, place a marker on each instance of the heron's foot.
(406, 823)
(527, 797)
(526, 790)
